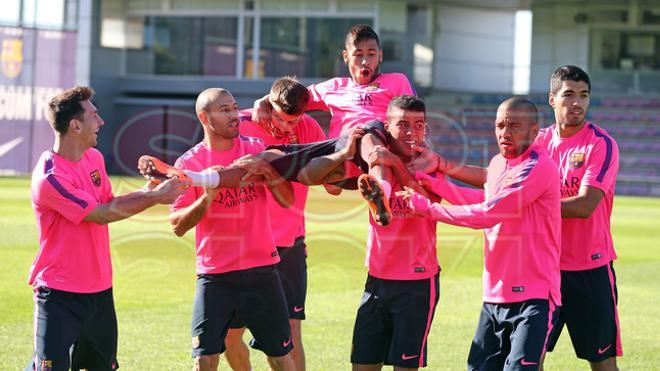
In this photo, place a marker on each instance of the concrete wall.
(474, 49)
(557, 40)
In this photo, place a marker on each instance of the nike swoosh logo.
(298, 309)
(405, 357)
(603, 350)
(5, 148)
(526, 363)
(286, 343)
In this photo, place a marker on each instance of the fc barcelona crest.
(96, 177)
(577, 160)
(12, 57)
(373, 86)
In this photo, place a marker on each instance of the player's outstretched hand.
(261, 111)
(257, 168)
(426, 160)
(166, 192)
(415, 201)
(432, 184)
(156, 171)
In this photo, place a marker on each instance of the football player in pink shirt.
(401, 257)
(288, 125)
(402, 287)
(361, 99)
(72, 272)
(236, 254)
(588, 162)
(520, 212)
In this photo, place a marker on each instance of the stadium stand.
(464, 132)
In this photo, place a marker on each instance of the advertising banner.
(34, 66)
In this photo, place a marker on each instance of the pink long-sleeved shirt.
(521, 214)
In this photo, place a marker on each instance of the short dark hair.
(66, 106)
(290, 95)
(408, 103)
(519, 104)
(360, 32)
(568, 72)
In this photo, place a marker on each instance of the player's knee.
(234, 337)
(369, 140)
(271, 154)
(305, 174)
(304, 177)
(296, 328)
(399, 368)
(207, 363)
(604, 365)
(282, 363)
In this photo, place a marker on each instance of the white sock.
(387, 187)
(206, 178)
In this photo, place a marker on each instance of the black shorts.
(256, 295)
(393, 321)
(589, 311)
(293, 274)
(292, 270)
(297, 156)
(511, 336)
(74, 330)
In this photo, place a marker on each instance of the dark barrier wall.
(162, 131)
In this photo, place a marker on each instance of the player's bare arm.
(429, 161)
(444, 190)
(330, 168)
(261, 111)
(281, 189)
(184, 219)
(127, 205)
(582, 205)
(232, 176)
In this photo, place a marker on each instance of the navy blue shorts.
(292, 270)
(293, 274)
(255, 295)
(589, 311)
(297, 156)
(72, 330)
(393, 321)
(511, 336)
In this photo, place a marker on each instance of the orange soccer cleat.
(373, 192)
(157, 171)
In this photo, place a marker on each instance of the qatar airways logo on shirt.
(400, 208)
(570, 186)
(363, 100)
(232, 197)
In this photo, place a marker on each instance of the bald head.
(207, 98)
(515, 126)
(217, 112)
(520, 106)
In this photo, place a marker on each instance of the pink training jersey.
(234, 234)
(406, 248)
(287, 223)
(588, 158)
(520, 211)
(74, 255)
(351, 104)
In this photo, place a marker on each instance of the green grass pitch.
(154, 283)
